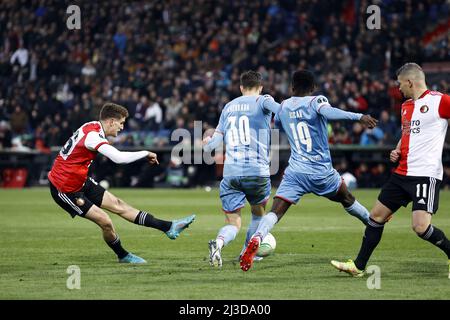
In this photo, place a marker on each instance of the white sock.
(226, 235)
(266, 224)
(359, 211)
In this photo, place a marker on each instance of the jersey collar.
(102, 132)
(423, 94)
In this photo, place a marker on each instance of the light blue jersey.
(245, 126)
(304, 119)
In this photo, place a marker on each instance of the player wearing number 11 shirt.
(81, 196)
(304, 119)
(418, 176)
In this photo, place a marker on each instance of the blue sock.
(359, 211)
(226, 235)
(266, 224)
(251, 229)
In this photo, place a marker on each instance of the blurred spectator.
(5, 135)
(20, 57)
(137, 119)
(372, 137)
(153, 117)
(363, 176)
(173, 62)
(380, 175)
(389, 128)
(19, 120)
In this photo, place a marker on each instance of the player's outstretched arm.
(270, 104)
(368, 121)
(211, 143)
(331, 113)
(122, 157)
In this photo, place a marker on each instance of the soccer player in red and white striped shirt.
(418, 176)
(80, 195)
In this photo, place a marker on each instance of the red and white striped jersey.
(71, 166)
(424, 126)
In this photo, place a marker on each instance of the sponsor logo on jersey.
(424, 108)
(409, 127)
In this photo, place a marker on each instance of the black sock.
(117, 248)
(372, 237)
(146, 219)
(438, 238)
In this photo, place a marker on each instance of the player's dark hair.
(112, 110)
(251, 79)
(303, 82)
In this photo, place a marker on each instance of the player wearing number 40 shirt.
(418, 176)
(244, 126)
(304, 119)
(81, 196)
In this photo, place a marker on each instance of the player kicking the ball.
(418, 176)
(304, 119)
(81, 196)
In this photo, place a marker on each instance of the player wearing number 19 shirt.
(304, 119)
(81, 196)
(418, 176)
(244, 125)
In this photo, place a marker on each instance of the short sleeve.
(94, 140)
(444, 107)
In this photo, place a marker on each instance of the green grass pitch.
(38, 241)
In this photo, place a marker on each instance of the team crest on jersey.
(424, 108)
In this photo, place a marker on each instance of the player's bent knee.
(420, 228)
(380, 212)
(100, 217)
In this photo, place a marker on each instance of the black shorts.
(78, 203)
(401, 190)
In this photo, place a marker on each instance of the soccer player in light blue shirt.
(244, 125)
(304, 119)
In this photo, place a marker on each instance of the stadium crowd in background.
(173, 62)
